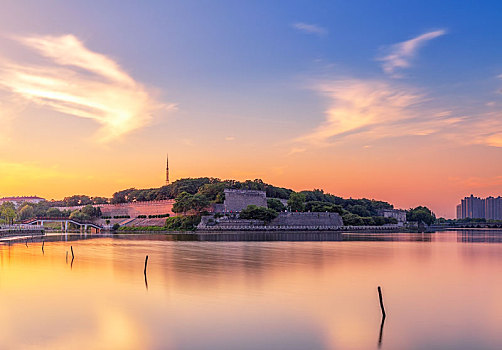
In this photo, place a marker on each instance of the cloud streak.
(310, 28)
(368, 110)
(73, 80)
(401, 54)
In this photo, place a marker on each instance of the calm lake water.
(441, 291)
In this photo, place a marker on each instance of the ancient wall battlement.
(236, 200)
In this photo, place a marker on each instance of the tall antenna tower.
(167, 169)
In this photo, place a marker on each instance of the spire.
(167, 169)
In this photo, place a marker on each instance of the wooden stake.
(146, 262)
(73, 256)
(381, 301)
(43, 242)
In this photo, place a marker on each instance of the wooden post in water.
(67, 257)
(146, 262)
(43, 242)
(381, 301)
(73, 256)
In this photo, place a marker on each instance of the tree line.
(10, 214)
(194, 195)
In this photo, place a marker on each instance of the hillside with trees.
(194, 195)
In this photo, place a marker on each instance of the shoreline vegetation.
(193, 196)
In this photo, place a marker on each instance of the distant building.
(493, 208)
(473, 207)
(398, 214)
(236, 200)
(480, 208)
(17, 201)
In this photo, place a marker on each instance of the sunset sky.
(398, 100)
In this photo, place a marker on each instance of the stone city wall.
(132, 209)
(307, 219)
(236, 200)
(285, 221)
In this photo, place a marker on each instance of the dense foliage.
(7, 213)
(351, 219)
(212, 188)
(318, 207)
(296, 202)
(361, 207)
(355, 212)
(43, 210)
(79, 199)
(421, 214)
(186, 202)
(194, 195)
(183, 223)
(253, 212)
(275, 204)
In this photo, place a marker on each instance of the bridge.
(83, 225)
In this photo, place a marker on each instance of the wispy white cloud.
(360, 106)
(400, 55)
(310, 28)
(296, 150)
(367, 110)
(71, 79)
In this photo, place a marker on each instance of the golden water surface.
(441, 291)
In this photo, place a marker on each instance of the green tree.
(296, 202)
(186, 202)
(421, 213)
(275, 204)
(8, 212)
(182, 223)
(360, 210)
(213, 191)
(199, 203)
(258, 213)
(182, 203)
(319, 207)
(77, 199)
(100, 200)
(79, 216)
(54, 213)
(91, 211)
(26, 212)
(350, 219)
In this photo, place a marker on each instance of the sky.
(398, 100)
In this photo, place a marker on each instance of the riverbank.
(20, 234)
(290, 228)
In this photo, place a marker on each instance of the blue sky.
(273, 83)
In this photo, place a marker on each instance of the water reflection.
(480, 236)
(381, 332)
(441, 291)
